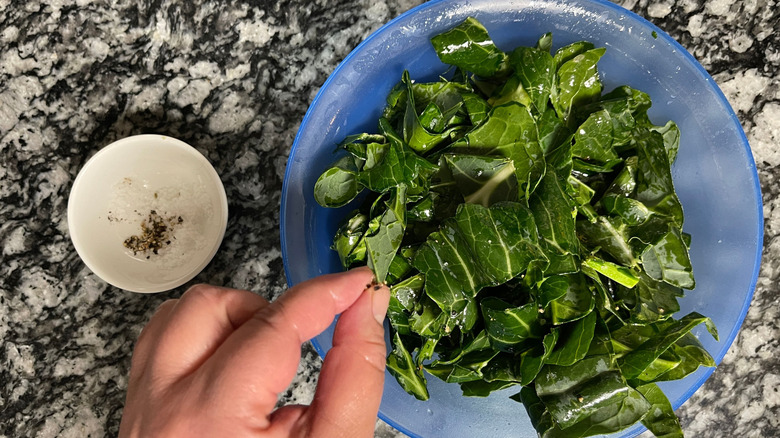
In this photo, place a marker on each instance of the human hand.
(213, 363)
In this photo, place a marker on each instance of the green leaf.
(551, 289)
(349, 242)
(580, 193)
(554, 216)
(401, 266)
(593, 139)
(446, 95)
(375, 153)
(627, 109)
(537, 411)
(602, 341)
(510, 131)
(663, 364)
(654, 187)
(507, 325)
(428, 321)
(660, 420)
(610, 418)
(400, 165)
(451, 279)
(506, 126)
(692, 355)
(478, 247)
(467, 369)
(502, 239)
(636, 361)
(483, 180)
(580, 402)
(591, 386)
(469, 47)
(591, 167)
(423, 132)
(405, 371)
(426, 351)
(613, 271)
(545, 42)
(630, 210)
(476, 107)
(481, 388)
(604, 304)
(536, 70)
(575, 304)
(628, 337)
(338, 185)
(356, 146)
(650, 232)
(502, 368)
(398, 317)
(577, 82)
(423, 210)
(478, 342)
(650, 301)
(511, 92)
(611, 236)
(532, 360)
(671, 135)
(408, 291)
(574, 341)
(624, 183)
(385, 233)
(552, 131)
(668, 260)
(567, 53)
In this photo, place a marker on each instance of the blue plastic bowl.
(715, 174)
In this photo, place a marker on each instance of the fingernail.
(380, 299)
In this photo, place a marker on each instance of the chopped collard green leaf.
(528, 228)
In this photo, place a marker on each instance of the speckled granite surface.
(234, 79)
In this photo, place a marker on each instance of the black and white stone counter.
(234, 79)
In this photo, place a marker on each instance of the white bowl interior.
(117, 190)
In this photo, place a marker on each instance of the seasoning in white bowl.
(147, 213)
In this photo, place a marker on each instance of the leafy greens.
(528, 228)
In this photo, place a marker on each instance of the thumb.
(352, 378)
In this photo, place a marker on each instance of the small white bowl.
(121, 186)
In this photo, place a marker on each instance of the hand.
(213, 363)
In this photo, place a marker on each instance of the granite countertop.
(234, 79)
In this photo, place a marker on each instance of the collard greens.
(528, 227)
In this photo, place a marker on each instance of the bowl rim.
(163, 141)
(660, 34)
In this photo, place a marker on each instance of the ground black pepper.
(155, 234)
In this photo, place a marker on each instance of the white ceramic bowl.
(126, 182)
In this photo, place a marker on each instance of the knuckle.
(201, 290)
(371, 352)
(212, 296)
(274, 318)
(166, 305)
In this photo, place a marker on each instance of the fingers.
(263, 354)
(351, 381)
(148, 337)
(198, 324)
(144, 348)
(288, 422)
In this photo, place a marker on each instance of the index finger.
(263, 353)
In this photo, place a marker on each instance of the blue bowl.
(715, 174)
